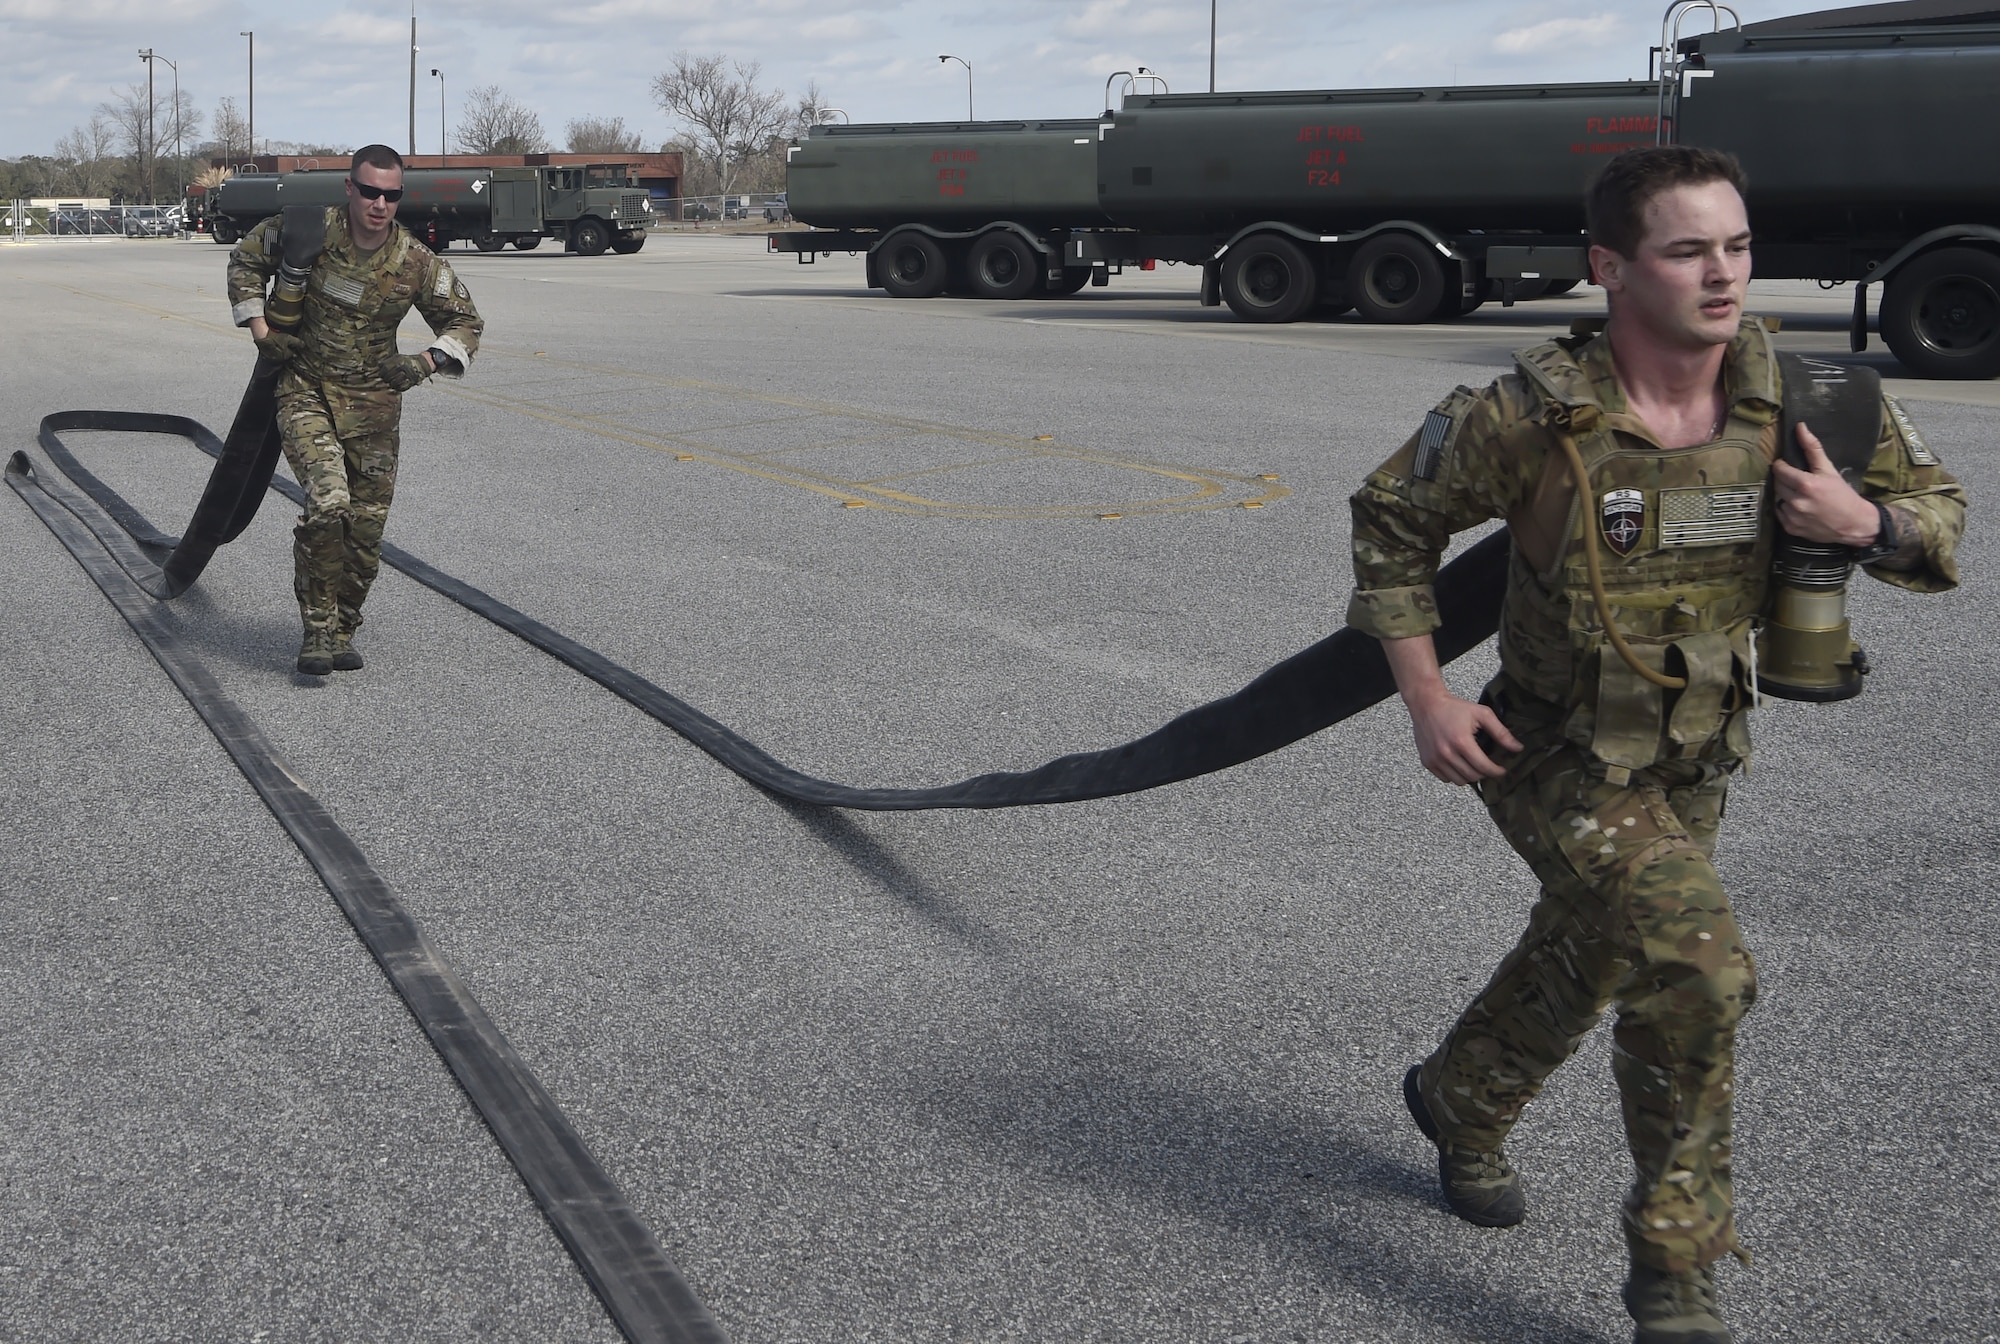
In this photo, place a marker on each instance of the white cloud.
(1598, 30)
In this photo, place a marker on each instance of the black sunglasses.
(389, 194)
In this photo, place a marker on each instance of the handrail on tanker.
(1672, 63)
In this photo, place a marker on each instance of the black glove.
(278, 346)
(403, 372)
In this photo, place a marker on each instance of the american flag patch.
(1430, 445)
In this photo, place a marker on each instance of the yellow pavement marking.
(1210, 488)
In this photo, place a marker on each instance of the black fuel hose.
(1334, 679)
(644, 1292)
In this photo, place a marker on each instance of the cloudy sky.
(337, 71)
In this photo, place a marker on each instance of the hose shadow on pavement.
(1086, 1106)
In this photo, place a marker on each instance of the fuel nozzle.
(1806, 652)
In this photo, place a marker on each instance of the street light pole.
(1211, 45)
(441, 140)
(968, 82)
(152, 137)
(413, 76)
(253, 89)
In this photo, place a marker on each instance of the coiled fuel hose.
(1585, 494)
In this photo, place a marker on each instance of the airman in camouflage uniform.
(340, 397)
(1617, 787)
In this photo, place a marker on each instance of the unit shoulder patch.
(1623, 519)
(1919, 452)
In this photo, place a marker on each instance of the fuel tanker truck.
(1865, 133)
(591, 207)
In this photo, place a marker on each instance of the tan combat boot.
(346, 658)
(1481, 1187)
(1674, 1308)
(316, 653)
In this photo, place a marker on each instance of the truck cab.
(591, 207)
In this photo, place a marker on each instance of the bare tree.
(602, 135)
(726, 118)
(812, 109)
(90, 151)
(494, 123)
(231, 138)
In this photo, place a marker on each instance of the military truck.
(1863, 130)
(591, 207)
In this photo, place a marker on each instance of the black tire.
(589, 237)
(625, 244)
(223, 232)
(1941, 315)
(527, 242)
(1073, 279)
(486, 241)
(1001, 265)
(1396, 278)
(912, 266)
(1269, 278)
(1560, 287)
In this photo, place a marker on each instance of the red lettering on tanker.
(1346, 134)
(1323, 165)
(954, 156)
(1621, 125)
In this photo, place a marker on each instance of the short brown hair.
(376, 156)
(1615, 206)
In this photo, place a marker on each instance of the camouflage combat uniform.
(1615, 799)
(336, 415)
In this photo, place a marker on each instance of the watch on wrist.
(1885, 543)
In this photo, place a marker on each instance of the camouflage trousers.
(337, 544)
(1632, 914)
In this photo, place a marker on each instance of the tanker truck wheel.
(1396, 278)
(1269, 278)
(1002, 266)
(913, 266)
(527, 242)
(488, 241)
(1941, 315)
(589, 237)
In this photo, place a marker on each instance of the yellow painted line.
(1204, 496)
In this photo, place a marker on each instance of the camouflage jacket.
(354, 303)
(1681, 579)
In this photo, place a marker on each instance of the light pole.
(253, 89)
(148, 56)
(1211, 45)
(152, 140)
(968, 81)
(413, 76)
(441, 140)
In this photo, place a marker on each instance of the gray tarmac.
(1119, 1071)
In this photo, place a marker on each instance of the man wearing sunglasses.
(340, 395)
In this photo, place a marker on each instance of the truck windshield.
(609, 174)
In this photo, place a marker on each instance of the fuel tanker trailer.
(1405, 204)
(981, 207)
(590, 207)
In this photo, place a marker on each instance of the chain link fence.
(26, 219)
(763, 207)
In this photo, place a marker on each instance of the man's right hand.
(1447, 730)
(1447, 727)
(276, 346)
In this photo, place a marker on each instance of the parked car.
(152, 221)
(776, 209)
(736, 207)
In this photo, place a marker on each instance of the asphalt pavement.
(1117, 1071)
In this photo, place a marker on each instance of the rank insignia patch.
(1623, 519)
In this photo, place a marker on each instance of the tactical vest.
(1684, 538)
(354, 305)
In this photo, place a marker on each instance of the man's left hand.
(1817, 504)
(404, 372)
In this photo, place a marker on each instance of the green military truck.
(593, 208)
